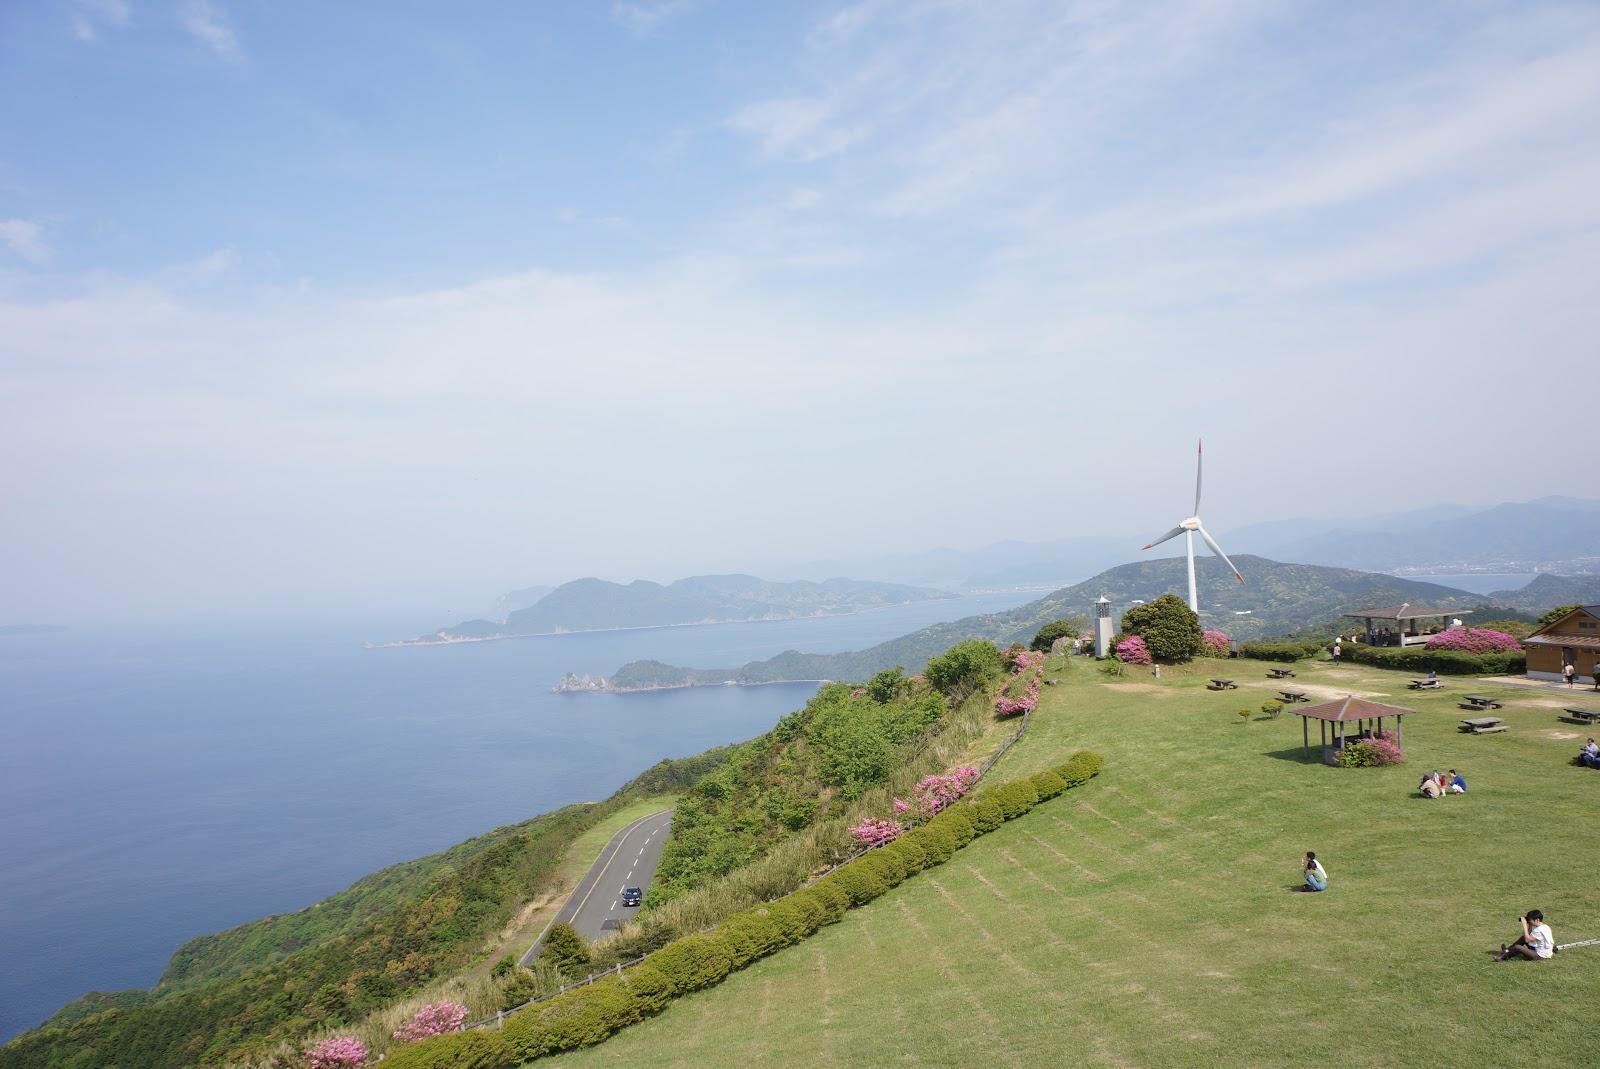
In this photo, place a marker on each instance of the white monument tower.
(1103, 627)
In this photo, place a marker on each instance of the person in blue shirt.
(1457, 784)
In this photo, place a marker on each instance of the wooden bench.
(1483, 725)
(1575, 715)
(1280, 673)
(1222, 684)
(1478, 701)
(1425, 684)
(1292, 696)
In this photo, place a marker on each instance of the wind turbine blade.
(1174, 533)
(1199, 463)
(1212, 542)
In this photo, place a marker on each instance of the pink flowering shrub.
(1005, 706)
(859, 692)
(875, 832)
(1474, 640)
(432, 1020)
(340, 1052)
(1132, 650)
(936, 792)
(1214, 644)
(1382, 749)
(1020, 659)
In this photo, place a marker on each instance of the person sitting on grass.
(1590, 755)
(1457, 784)
(1536, 943)
(1429, 786)
(1316, 876)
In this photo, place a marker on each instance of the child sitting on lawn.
(1536, 943)
(1429, 786)
(1457, 784)
(1316, 875)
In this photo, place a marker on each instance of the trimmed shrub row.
(587, 1015)
(1446, 662)
(1282, 651)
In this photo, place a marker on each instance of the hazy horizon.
(395, 311)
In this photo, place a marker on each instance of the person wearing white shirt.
(1536, 943)
(1590, 754)
(1316, 876)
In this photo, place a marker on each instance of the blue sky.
(410, 303)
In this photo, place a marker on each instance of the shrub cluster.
(587, 1015)
(1214, 644)
(1445, 662)
(1170, 629)
(1132, 650)
(1281, 651)
(1474, 640)
(1047, 635)
(1366, 753)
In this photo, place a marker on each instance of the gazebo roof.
(1404, 612)
(1350, 708)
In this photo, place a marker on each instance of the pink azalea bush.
(1132, 650)
(1474, 640)
(1005, 706)
(934, 793)
(875, 832)
(340, 1052)
(432, 1020)
(1214, 643)
(1021, 659)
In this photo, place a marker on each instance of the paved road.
(629, 860)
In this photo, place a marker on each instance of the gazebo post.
(1400, 732)
(1305, 733)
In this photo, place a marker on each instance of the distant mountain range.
(1547, 591)
(1278, 598)
(1560, 534)
(597, 605)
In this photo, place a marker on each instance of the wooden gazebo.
(1348, 713)
(1411, 624)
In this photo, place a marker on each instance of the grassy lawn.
(1147, 918)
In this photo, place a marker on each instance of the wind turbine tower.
(1191, 527)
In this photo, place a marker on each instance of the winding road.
(628, 860)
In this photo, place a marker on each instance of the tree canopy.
(1170, 629)
(1067, 627)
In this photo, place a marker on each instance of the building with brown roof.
(1574, 639)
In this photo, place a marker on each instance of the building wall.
(1544, 662)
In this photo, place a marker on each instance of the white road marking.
(613, 905)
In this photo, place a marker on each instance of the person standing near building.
(1568, 672)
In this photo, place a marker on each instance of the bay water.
(159, 785)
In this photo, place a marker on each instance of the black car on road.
(632, 896)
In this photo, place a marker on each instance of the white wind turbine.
(1191, 527)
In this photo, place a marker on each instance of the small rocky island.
(576, 684)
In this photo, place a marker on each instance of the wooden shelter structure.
(1574, 639)
(1404, 625)
(1351, 719)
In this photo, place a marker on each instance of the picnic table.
(1223, 684)
(1280, 673)
(1483, 725)
(1292, 696)
(1478, 701)
(1580, 716)
(1425, 684)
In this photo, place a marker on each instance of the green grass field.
(1147, 919)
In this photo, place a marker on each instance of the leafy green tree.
(887, 685)
(1065, 628)
(1168, 626)
(965, 667)
(1555, 614)
(565, 949)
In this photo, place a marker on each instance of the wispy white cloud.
(24, 238)
(208, 25)
(643, 16)
(88, 16)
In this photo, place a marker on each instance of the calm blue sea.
(154, 787)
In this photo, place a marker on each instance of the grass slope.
(1147, 919)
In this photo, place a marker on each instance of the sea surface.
(154, 787)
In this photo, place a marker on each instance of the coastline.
(458, 640)
(609, 689)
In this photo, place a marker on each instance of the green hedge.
(1445, 662)
(587, 1015)
(1281, 651)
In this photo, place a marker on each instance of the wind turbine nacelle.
(1191, 524)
